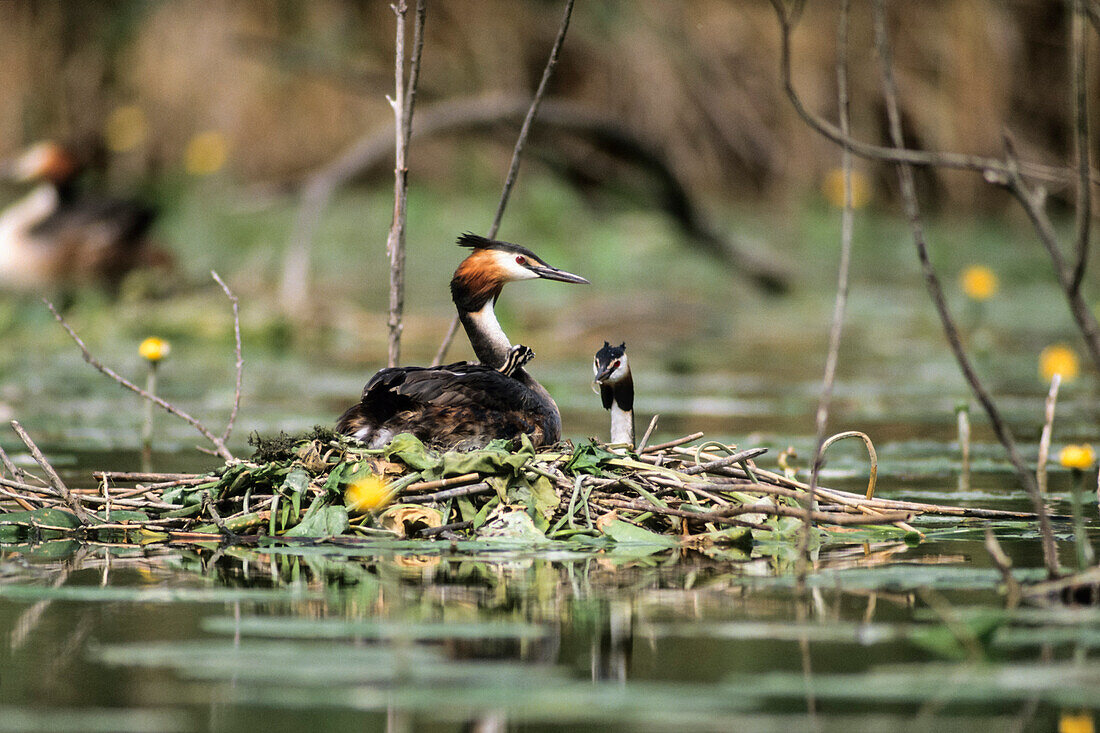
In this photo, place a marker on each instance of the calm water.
(434, 636)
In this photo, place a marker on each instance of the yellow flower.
(154, 349)
(206, 153)
(1077, 456)
(832, 188)
(367, 494)
(978, 282)
(126, 128)
(1075, 723)
(1058, 359)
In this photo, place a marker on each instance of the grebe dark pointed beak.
(553, 273)
(605, 372)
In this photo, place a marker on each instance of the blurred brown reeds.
(291, 84)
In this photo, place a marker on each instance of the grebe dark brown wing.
(457, 405)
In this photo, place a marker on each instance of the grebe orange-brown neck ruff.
(466, 405)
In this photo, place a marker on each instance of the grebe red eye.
(615, 364)
(521, 260)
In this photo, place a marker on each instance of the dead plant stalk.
(517, 152)
(935, 290)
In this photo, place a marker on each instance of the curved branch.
(1081, 141)
(988, 167)
(935, 290)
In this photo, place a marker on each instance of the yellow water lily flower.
(154, 349)
(1058, 359)
(979, 282)
(1077, 456)
(206, 153)
(367, 494)
(832, 188)
(1075, 723)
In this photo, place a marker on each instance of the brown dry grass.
(289, 84)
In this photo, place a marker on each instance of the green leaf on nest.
(589, 458)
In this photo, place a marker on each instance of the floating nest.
(325, 487)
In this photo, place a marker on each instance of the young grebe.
(617, 390)
(467, 405)
(57, 236)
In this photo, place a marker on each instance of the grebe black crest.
(616, 389)
(466, 405)
(60, 236)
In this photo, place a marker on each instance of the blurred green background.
(218, 113)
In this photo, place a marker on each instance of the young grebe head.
(43, 161)
(610, 365)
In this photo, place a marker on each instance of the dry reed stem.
(962, 417)
(479, 488)
(840, 303)
(395, 242)
(81, 513)
(466, 478)
(1079, 65)
(912, 212)
(148, 476)
(1033, 201)
(674, 443)
(1008, 173)
(648, 433)
(1004, 565)
(237, 352)
(872, 478)
(513, 167)
(990, 168)
(1048, 429)
(13, 470)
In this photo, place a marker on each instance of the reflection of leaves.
(407, 519)
(633, 542)
(955, 641)
(589, 458)
(514, 525)
(324, 521)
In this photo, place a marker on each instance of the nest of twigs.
(323, 486)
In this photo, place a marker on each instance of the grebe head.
(610, 365)
(506, 262)
(43, 161)
(481, 276)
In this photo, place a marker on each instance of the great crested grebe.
(466, 405)
(617, 390)
(58, 236)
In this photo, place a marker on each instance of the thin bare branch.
(414, 67)
(237, 352)
(1034, 202)
(840, 304)
(13, 470)
(517, 152)
(1048, 428)
(1078, 62)
(219, 444)
(935, 290)
(989, 167)
(395, 242)
(81, 513)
